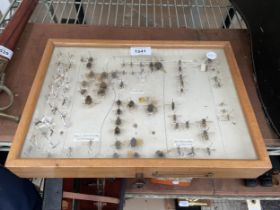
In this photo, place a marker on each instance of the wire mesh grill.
(6, 17)
(202, 14)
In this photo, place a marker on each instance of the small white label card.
(86, 137)
(136, 51)
(5, 52)
(183, 143)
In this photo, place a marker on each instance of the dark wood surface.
(231, 188)
(28, 52)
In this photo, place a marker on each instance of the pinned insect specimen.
(101, 92)
(151, 65)
(176, 126)
(118, 144)
(90, 75)
(118, 121)
(103, 85)
(104, 75)
(116, 155)
(217, 82)
(84, 83)
(119, 102)
(174, 117)
(133, 142)
(90, 59)
(89, 65)
(203, 123)
(88, 100)
(114, 74)
(158, 65)
(151, 108)
(160, 154)
(70, 151)
(117, 131)
(179, 62)
(119, 111)
(208, 150)
(121, 85)
(102, 88)
(136, 155)
(192, 152)
(187, 124)
(172, 105)
(205, 135)
(131, 104)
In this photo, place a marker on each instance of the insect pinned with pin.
(187, 124)
(151, 108)
(83, 91)
(116, 155)
(118, 121)
(121, 85)
(203, 123)
(133, 142)
(119, 111)
(88, 100)
(90, 75)
(131, 104)
(208, 151)
(173, 105)
(89, 65)
(119, 102)
(176, 126)
(159, 154)
(103, 75)
(192, 152)
(136, 155)
(217, 82)
(117, 130)
(205, 135)
(174, 117)
(158, 65)
(118, 144)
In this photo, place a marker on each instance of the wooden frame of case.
(161, 168)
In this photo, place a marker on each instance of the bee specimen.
(133, 142)
(131, 104)
(117, 130)
(118, 121)
(119, 102)
(119, 111)
(151, 108)
(160, 154)
(118, 144)
(88, 100)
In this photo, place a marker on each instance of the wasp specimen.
(119, 102)
(121, 85)
(173, 105)
(89, 65)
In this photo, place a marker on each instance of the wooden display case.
(212, 132)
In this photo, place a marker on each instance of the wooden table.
(29, 50)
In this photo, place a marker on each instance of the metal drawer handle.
(182, 175)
